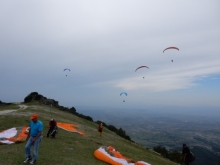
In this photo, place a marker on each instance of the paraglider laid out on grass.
(19, 134)
(113, 157)
(14, 135)
(70, 127)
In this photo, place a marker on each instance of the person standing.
(33, 139)
(100, 129)
(53, 128)
(186, 154)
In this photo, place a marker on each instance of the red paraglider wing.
(171, 48)
(141, 67)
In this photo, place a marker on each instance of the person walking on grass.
(100, 129)
(33, 139)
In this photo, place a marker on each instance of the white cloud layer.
(103, 42)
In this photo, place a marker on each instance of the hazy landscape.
(170, 129)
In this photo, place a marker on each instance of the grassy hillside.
(67, 148)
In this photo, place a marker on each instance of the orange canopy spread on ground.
(70, 127)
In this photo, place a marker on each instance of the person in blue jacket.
(33, 139)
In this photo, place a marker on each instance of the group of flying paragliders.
(140, 67)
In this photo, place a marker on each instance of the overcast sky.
(102, 43)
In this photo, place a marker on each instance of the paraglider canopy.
(123, 93)
(66, 69)
(141, 67)
(172, 47)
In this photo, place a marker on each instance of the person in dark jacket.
(186, 154)
(53, 128)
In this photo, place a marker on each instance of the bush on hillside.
(2, 103)
(32, 96)
(72, 110)
(85, 117)
(122, 133)
(162, 150)
(39, 97)
(119, 131)
(112, 128)
(98, 122)
(173, 155)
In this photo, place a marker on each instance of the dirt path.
(21, 107)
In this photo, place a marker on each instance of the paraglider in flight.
(124, 94)
(141, 67)
(171, 48)
(66, 69)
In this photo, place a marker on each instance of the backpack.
(192, 157)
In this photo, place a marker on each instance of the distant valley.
(165, 128)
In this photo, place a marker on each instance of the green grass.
(7, 107)
(68, 148)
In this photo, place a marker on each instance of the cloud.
(103, 42)
(169, 79)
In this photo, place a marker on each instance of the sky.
(102, 43)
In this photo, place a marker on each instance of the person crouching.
(53, 128)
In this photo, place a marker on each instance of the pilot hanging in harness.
(53, 128)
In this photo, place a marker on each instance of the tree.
(162, 150)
